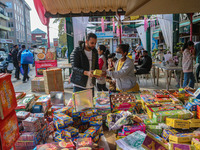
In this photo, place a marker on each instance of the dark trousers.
(101, 87)
(78, 89)
(142, 71)
(189, 76)
(25, 68)
(17, 69)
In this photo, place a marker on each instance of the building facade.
(38, 37)
(5, 42)
(15, 11)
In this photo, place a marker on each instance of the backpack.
(26, 57)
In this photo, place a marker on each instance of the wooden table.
(65, 66)
(168, 70)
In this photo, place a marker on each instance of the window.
(9, 4)
(10, 24)
(15, 6)
(11, 33)
(10, 14)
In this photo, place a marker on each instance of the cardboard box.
(197, 93)
(53, 80)
(97, 72)
(178, 123)
(196, 143)
(37, 84)
(194, 123)
(167, 132)
(181, 138)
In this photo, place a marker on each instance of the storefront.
(7, 44)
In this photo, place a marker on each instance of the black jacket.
(80, 64)
(146, 62)
(14, 55)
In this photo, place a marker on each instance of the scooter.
(3, 65)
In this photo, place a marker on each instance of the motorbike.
(3, 65)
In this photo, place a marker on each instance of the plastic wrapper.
(31, 124)
(20, 95)
(40, 116)
(8, 100)
(85, 119)
(65, 110)
(102, 100)
(26, 102)
(22, 115)
(57, 98)
(83, 99)
(84, 142)
(57, 145)
(9, 131)
(44, 101)
(73, 131)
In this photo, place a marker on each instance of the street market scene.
(99, 75)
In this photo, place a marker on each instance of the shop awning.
(72, 8)
(148, 7)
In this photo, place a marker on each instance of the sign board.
(104, 35)
(55, 42)
(6, 41)
(44, 59)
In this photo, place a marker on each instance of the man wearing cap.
(15, 61)
(145, 63)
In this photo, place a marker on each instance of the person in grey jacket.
(124, 71)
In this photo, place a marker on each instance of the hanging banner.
(44, 59)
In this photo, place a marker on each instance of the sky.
(36, 23)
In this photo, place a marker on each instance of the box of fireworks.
(167, 132)
(135, 127)
(57, 98)
(96, 117)
(194, 123)
(83, 100)
(37, 109)
(150, 122)
(85, 119)
(45, 102)
(76, 114)
(37, 84)
(63, 119)
(192, 106)
(84, 143)
(65, 134)
(96, 123)
(57, 145)
(87, 113)
(91, 131)
(152, 141)
(178, 123)
(40, 116)
(22, 115)
(58, 125)
(121, 133)
(182, 137)
(160, 94)
(53, 80)
(70, 132)
(102, 100)
(197, 93)
(196, 143)
(156, 129)
(65, 110)
(25, 102)
(20, 95)
(8, 100)
(194, 114)
(179, 114)
(27, 140)
(50, 127)
(76, 121)
(174, 146)
(96, 139)
(9, 131)
(83, 127)
(58, 139)
(31, 124)
(132, 141)
(20, 126)
(191, 99)
(97, 72)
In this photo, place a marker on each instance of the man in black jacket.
(145, 62)
(84, 60)
(15, 61)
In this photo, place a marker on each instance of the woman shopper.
(124, 71)
(187, 64)
(103, 53)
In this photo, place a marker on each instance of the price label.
(151, 143)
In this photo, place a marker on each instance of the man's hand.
(103, 74)
(89, 73)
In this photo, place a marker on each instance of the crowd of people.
(118, 70)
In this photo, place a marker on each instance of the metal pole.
(120, 34)
(25, 31)
(191, 25)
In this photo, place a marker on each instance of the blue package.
(37, 109)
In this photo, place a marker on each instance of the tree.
(62, 36)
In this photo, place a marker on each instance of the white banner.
(142, 35)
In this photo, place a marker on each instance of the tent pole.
(120, 33)
(191, 25)
(48, 36)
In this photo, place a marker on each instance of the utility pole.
(25, 31)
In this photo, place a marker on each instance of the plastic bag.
(26, 57)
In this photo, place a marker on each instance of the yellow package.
(194, 123)
(181, 138)
(178, 123)
(196, 143)
(97, 72)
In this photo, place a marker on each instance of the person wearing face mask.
(124, 71)
(84, 60)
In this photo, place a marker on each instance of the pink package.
(133, 128)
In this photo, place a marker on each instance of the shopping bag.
(26, 57)
(10, 67)
(22, 71)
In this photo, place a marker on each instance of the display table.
(167, 70)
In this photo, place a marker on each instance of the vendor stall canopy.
(73, 8)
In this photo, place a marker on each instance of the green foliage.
(178, 47)
(64, 49)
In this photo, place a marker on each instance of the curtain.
(142, 35)
(79, 26)
(166, 25)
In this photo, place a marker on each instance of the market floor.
(110, 136)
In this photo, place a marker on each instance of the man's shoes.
(24, 82)
(28, 78)
(18, 78)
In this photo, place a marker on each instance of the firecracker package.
(36, 109)
(8, 100)
(182, 137)
(26, 103)
(37, 84)
(57, 145)
(197, 93)
(175, 146)
(65, 110)
(31, 124)
(40, 116)
(156, 129)
(133, 128)
(178, 123)
(84, 142)
(20, 95)
(63, 119)
(102, 100)
(22, 115)
(196, 143)
(167, 132)
(45, 102)
(9, 131)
